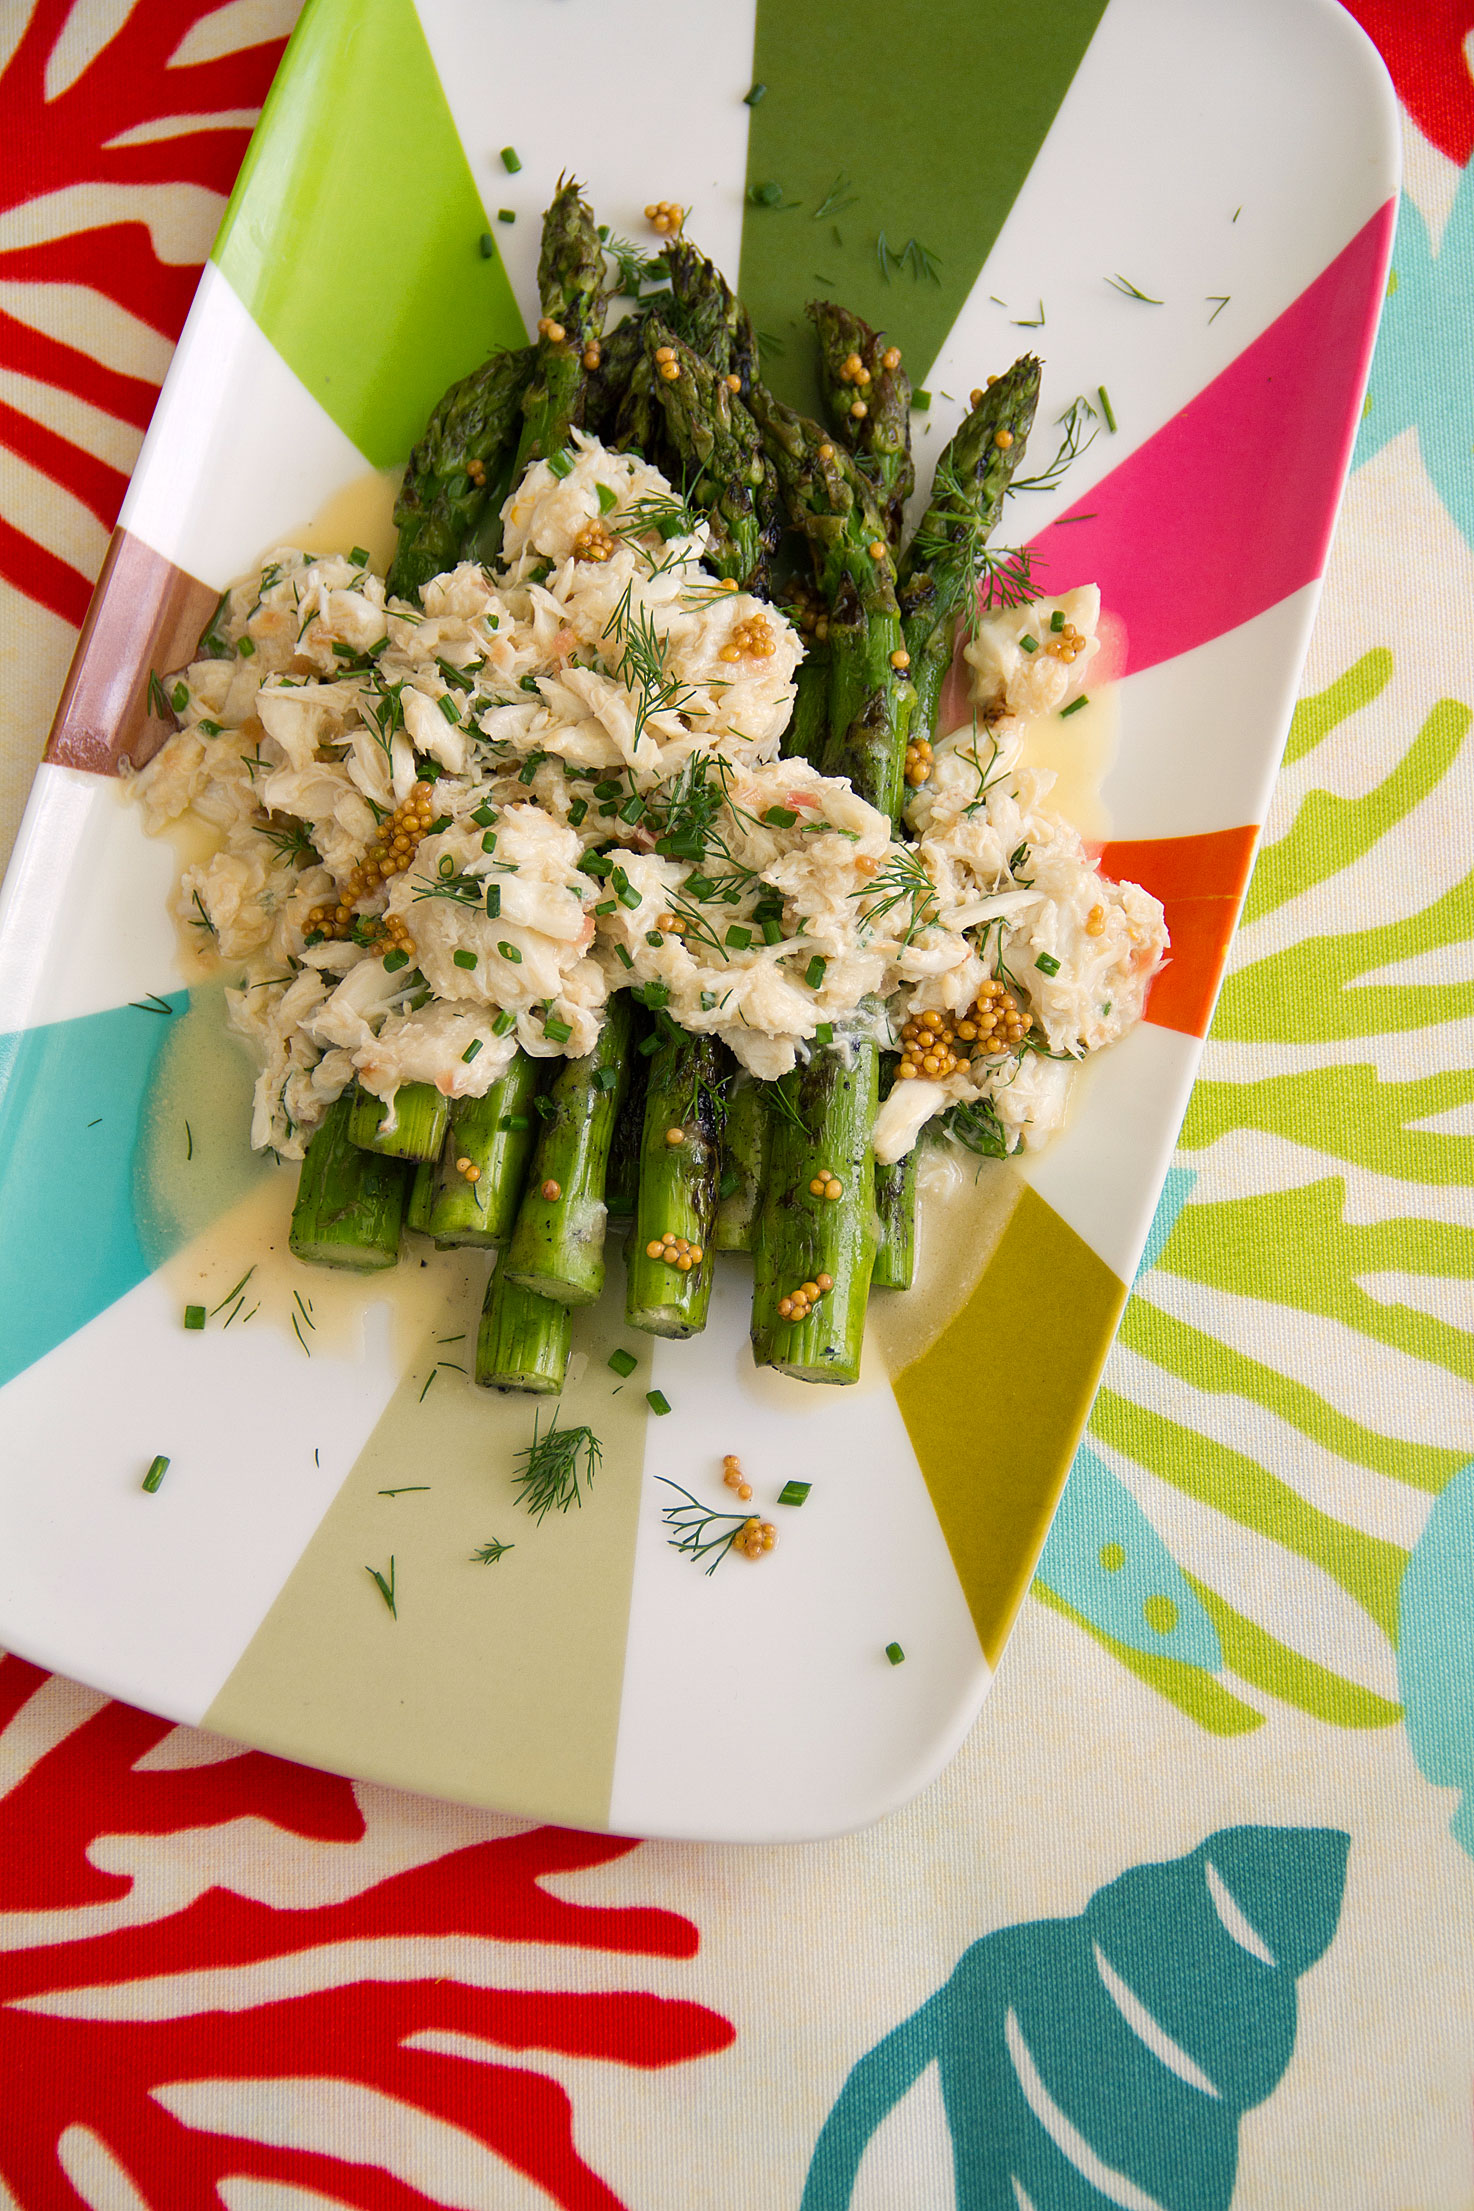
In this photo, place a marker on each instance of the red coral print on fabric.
(55, 144)
(318, 2017)
(1422, 43)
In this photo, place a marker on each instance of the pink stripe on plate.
(1229, 508)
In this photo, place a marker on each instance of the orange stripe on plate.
(1201, 883)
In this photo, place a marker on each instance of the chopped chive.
(484, 817)
(654, 937)
(1075, 705)
(493, 902)
(751, 97)
(607, 906)
(632, 809)
(561, 463)
(824, 1034)
(1046, 963)
(577, 811)
(395, 960)
(657, 1401)
(179, 697)
(779, 817)
(1106, 409)
(794, 1493)
(448, 708)
(772, 931)
(625, 956)
(895, 1654)
(921, 400)
(386, 1588)
(359, 557)
(623, 1363)
(155, 1474)
(438, 827)
(515, 1121)
(504, 1023)
(194, 1316)
(559, 1031)
(814, 972)
(730, 1184)
(1028, 644)
(463, 959)
(1057, 620)
(488, 841)
(765, 195)
(510, 952)
(608, 498)
(246, 648)
(506, 214)
(511, 160)
(488, 245)
(629, 897)
(471, 1050)
(738, 937)
(606, 1078)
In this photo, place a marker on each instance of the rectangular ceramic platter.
(1238, 165)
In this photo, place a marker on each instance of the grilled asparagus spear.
(867, 395)
(570, 283)
(449, 506)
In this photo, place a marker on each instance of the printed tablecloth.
(1190, 1919)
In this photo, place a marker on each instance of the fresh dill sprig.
(212, 645)
(1219, 301)
(489, 1553)
(1123, 284)
(556, 1468)
(642, 663)
(1031, 322)
(385, 1588)
(1072, 444)
(153, 1003)
(782, 1102)
(292, 843)
(462, 890)
(1005, 578)
(839, 196)
(633, 266)
(902, 881)
(698, 1531)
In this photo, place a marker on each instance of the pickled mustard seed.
(155, 1474)
(895, 1654)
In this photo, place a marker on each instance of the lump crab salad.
(606, 858)
(453, 830)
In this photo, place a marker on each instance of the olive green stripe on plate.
(927, 121)
(995, 1406)
(497, 1684)
(353, 235)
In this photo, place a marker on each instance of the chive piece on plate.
(895, 1654)
(794, 1493)
(155, 1474)
(623, 1363)
(194, 1316)
(657, 1401)
(511, 160)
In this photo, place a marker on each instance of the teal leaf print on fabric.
(1107, 1561)
(1420, 373)
(1109, 2058)
(1435, 1659)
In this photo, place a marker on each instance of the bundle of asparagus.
(713, 1164)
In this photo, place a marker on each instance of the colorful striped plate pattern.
(1187, 205)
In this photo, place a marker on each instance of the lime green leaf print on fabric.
(1108, 2059)
(1334, 1149)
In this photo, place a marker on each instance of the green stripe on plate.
(494, 1684)
(935, 116)
(353, 234)
(995, 1406)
